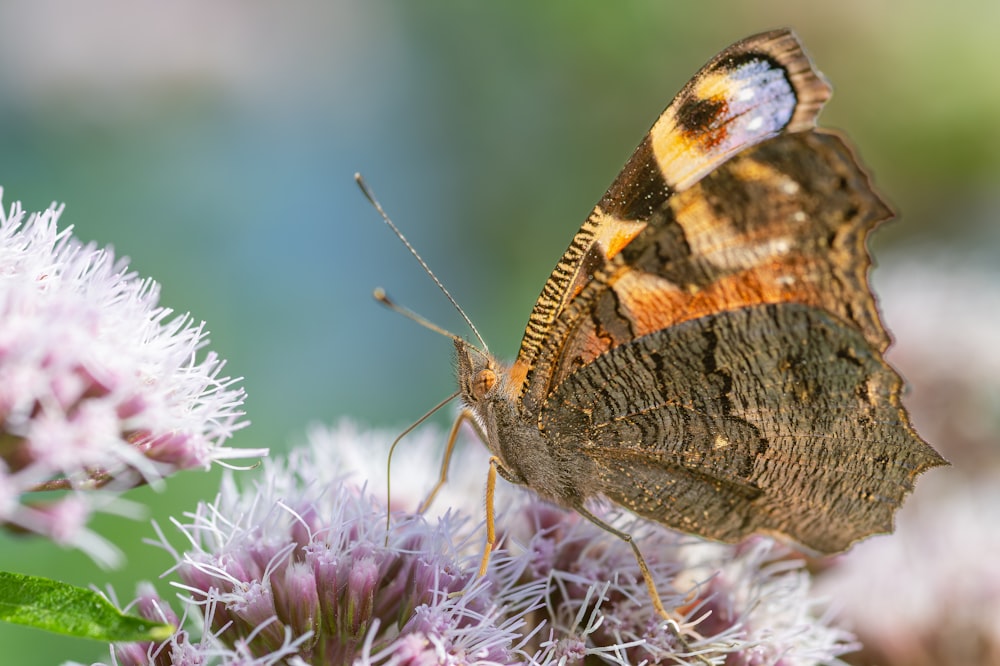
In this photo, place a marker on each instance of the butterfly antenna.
(384, 299)
(427, 269)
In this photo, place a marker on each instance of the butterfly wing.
(709, 341)
(754, 90)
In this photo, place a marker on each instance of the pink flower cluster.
(101, 388)
(297, 566)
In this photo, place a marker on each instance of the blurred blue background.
(214, 143)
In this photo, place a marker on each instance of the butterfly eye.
(483, 383)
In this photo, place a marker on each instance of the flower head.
(100, 387)
(300, 563)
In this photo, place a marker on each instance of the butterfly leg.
(674, 623)
(491, 530)
(464, 417)
(491, 482)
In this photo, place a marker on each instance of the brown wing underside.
(777, 418)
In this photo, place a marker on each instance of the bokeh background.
(215, 143)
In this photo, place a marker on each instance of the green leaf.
(75, 611)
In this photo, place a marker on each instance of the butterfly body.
(708, 353)
(525, 455)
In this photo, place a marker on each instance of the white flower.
(100, 387)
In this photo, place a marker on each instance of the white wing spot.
(780, 246)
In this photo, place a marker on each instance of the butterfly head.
(486, 388)
(478, 374)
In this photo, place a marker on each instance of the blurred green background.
(214, 143)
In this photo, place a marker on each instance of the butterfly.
(707, 353)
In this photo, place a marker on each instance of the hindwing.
(774, 418)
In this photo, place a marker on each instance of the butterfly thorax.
(526, 455)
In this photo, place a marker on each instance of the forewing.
(755, 89)
(777, 418)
